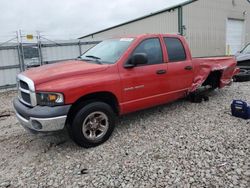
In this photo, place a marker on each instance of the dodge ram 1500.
(115, 77)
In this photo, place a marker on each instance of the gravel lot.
(175, 145)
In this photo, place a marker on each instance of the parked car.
(243, 62)
(116, 77)
(243, 56)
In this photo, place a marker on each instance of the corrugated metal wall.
(9, 66)
(206, 22)
(161, 23)
(59, 52)
(52, 52)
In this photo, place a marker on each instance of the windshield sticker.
(126, 39)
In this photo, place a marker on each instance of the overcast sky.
(64, 19)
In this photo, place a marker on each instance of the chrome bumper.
(41, 118)
(42, 124)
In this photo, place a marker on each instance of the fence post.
(20, 51)
(80, 47)
(19, 57)
(22, 56)
(39, 46)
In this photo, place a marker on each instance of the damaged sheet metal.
(204, 66)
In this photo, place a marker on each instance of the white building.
(212, 27)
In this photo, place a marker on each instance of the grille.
(26, 90)
(26, 97)
(24, 85)
(24, 93)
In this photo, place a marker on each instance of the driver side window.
(152, 48)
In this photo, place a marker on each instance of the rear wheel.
(93, 124)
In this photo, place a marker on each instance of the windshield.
(246, 50)
(108, 51)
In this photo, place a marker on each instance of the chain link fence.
(17, 55)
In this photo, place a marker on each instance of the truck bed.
(203, 66)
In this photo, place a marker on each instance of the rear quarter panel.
(204, 66)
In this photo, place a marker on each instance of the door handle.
(188, 68)
(161, 72)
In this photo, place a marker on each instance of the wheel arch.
(213, 79)
(102, 96)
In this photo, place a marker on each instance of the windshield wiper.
(92, 56)
(97, 59)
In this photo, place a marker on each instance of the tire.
(92, 124)
(243, 76)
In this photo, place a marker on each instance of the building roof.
(143, 17)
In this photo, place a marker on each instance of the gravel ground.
(175, 145)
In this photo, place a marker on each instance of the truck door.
(142, 85)
(180, 67)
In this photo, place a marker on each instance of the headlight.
(50, 99)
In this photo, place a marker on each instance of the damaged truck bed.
(214, 71)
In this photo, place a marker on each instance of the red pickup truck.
(115, 77)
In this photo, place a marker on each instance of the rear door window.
(175, 49)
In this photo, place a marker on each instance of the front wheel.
(93, 124)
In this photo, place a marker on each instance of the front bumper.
(41, 118)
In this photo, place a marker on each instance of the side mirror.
(137, 59)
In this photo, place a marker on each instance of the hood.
(64, 69)
(242, 57)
